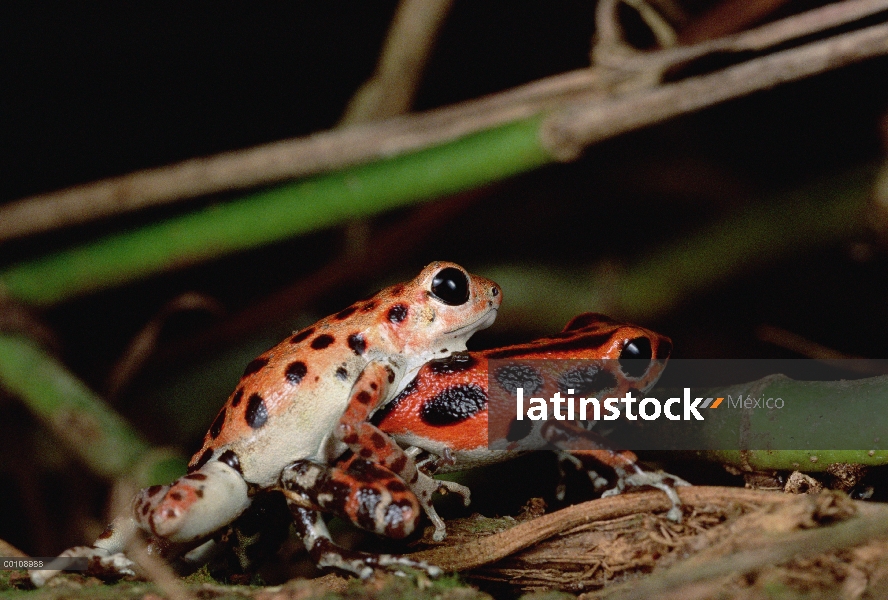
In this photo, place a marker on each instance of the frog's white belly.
(299, 433)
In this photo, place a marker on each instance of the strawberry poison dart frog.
(309, 399)
(442, 416)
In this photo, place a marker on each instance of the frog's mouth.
(482, 322)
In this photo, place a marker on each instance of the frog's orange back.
(445, 408)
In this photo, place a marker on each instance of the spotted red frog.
(443, 417)
(308, 399)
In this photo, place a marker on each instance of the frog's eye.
(451, 286)
(635, 357)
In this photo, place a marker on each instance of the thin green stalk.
(91, 429)
(278, 213)
(825, 417)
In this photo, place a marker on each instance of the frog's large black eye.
(451, 286)
(636, 357)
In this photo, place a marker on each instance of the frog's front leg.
(173, 517)
(368, 495)
(368, 442)
(105, 556)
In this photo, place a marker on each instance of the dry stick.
(7, 549)
(794, 342)
(151, 565)
(727, 17)
(492, 548)
(341, 148)
(679, 581)
(567, 132)
(391, 90)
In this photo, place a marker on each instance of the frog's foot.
(100, 564)
(660, 480)
(311, 528)
(106, 558)
(599, 483)
(194, 506)
(424, 487)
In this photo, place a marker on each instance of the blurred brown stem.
(578, 93)
(391, 89)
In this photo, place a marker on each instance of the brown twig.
(145, 341)
(409, 43)
(681, 581)
(569, 131)
(727, 17)
(583, 89)
(801, 345)
(136, 550)
(805, 347)
(495, 547)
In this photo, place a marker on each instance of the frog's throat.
(482, 322)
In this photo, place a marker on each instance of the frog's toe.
(99, 564)
(451, 487)
(365, 565)
(660, 480)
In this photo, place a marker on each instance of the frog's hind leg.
(311, 528)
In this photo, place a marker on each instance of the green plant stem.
(77, 416)
(278, 213)
(834, 412)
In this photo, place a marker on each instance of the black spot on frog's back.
(257, 413)
(345, 313)
(216, 427)
(256, 365)
(302, 336)
(357, 343)
(204, 458)
(397, 313)
(453, 405)
(322, 341)
(456, 363)
(296, 371)
(587, 380)
(514, 376)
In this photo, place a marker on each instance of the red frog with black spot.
(305, 402)
(443, 416)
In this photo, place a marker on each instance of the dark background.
(101, 89)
